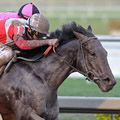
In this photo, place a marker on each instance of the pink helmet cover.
(29, 9)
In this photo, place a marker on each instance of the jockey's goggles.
(40, 35)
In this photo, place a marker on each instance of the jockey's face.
(31, 35)
(39, 35)
(34, 36)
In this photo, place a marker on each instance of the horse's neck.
(54, 69)
(51, 70)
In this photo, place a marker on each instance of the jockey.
(26, 35)
(24, 12)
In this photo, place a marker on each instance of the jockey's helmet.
(38, 23)
(28, 10)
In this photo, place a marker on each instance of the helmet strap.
(31, 32)
(29, 22)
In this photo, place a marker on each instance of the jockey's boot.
(6, 54)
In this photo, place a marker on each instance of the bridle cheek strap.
(84, 61)
(86, 73)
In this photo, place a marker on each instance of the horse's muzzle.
(105, 84)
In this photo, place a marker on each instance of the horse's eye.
(92, 54)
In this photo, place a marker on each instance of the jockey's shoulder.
(18, 22)
(19, 30)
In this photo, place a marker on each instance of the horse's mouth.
(105, 84)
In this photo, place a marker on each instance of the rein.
(15, 58)
(39, 57)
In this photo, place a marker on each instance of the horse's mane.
(64, 35)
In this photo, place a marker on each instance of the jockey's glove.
(53, 42)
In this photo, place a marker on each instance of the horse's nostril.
(111, 82)
(107, 79)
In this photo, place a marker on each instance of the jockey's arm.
(31, 44)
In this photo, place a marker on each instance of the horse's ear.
(90, 28)
(79, 35)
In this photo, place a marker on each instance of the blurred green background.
(102, 15)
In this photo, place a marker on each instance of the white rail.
(110, 105)
(109, 38)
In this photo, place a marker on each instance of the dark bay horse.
(29, 90)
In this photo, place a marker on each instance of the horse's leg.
(53, 111)
(34, 116)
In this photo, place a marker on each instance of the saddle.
(17, 56)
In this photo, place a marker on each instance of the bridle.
(87, 72)
(85, 65)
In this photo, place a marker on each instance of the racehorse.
(29, 90)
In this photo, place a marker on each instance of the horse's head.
(94, 62)
(91, 58)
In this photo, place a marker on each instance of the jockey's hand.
(53, 42)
